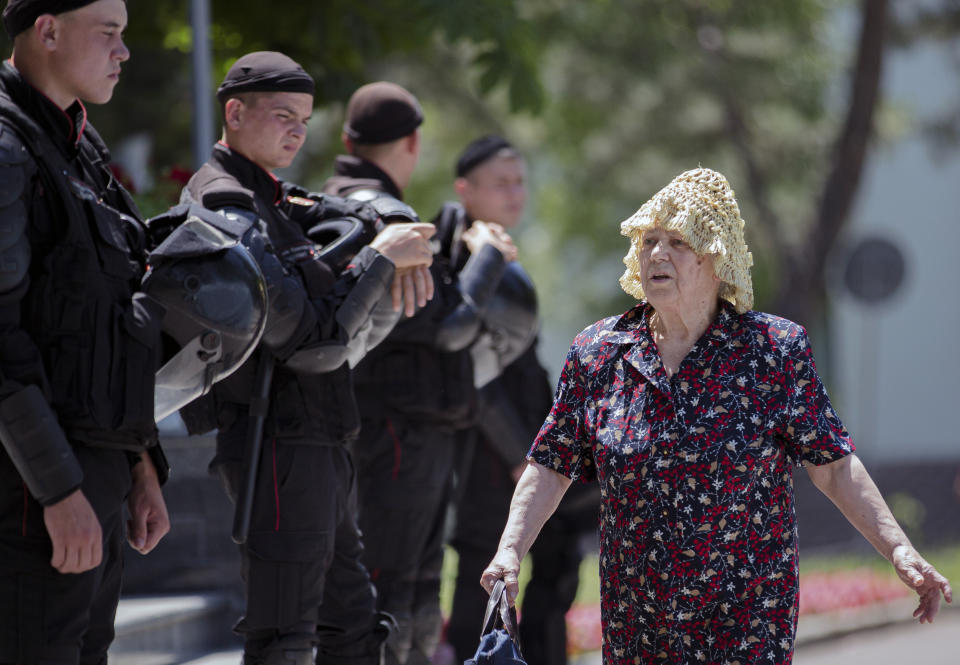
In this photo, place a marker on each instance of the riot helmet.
(216, 304)
(338, 240)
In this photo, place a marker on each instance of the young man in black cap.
(416, 389)
(79, 344)
(513, 401)
(304, 582)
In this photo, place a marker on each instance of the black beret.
(19, 15)
(480, 151)
(381, 112)
(265, 71)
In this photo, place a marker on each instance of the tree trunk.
(803, 287)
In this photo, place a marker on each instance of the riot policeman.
(304, 582)
(415, 389)
(514, 398)
(79, 343)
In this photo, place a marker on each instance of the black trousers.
(301, 562)
(405, 470)
(483, 502)
(47, 618)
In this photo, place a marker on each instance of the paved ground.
(902, 644)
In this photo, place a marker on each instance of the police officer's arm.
(29, 430)
(403, 241)
(406, 245)
(491, 250)
(314, 315)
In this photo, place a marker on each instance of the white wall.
(896, 365)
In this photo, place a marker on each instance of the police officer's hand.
(407, 245)
(411, 288)
(487, 233)
(148, 521)
(75, 533)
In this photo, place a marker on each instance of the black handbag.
(498, 646)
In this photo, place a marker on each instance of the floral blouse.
(698, 554)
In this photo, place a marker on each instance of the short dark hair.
(481, 150)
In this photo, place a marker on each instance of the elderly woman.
(691, 410)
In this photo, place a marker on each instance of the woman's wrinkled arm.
(847, 483)
(535, 498)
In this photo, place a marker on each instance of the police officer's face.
(87, 51)
(495, 191)
(269, 128)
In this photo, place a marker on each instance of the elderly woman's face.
(671, 273)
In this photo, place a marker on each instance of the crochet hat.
(701, 207)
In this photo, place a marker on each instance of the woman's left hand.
(923, 578)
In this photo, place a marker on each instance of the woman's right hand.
(504, 566)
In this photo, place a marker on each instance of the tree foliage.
(609, 99)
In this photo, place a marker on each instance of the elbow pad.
(478, 282)
(481, 275)
(32, 436)
(382, 320)
(360, 302)
(358, 317)
(459, 328)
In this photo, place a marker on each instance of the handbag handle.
(498, 605)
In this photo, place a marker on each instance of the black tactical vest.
(99, 353)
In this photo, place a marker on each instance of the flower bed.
(819, 592)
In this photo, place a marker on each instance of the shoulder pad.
(448, 220)
(215, 189)
(227, 196)
(389, 208)
(12, 149)
(13, 181)
(15, 260)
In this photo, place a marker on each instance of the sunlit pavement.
(842, 638)
(901, 644)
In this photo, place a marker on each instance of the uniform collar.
(358, 168)
(65, 127)
(264, 184)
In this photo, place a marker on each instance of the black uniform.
(415, 391)
(512, 408)
(301, 560)
(78, 350)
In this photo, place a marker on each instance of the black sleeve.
(29, 431)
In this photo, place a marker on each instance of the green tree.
(609, 99)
